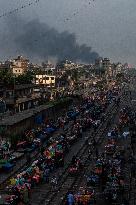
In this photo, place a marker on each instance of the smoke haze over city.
(107, 26)
(38, 40)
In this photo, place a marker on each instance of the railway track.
(23, 165)
(66, 182)
(125, 169)
(132, 181)
(46, 195)
(73, 183)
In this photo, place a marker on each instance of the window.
(40, 80)
(47, 78)
(52, 78)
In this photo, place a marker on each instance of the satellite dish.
(2, 106)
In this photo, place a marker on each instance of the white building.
(47, 80)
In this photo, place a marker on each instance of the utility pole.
(14, 92)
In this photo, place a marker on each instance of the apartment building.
(19, 65)
(46, 80)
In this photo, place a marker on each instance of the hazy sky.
(108, 26)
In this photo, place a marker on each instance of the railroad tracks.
(125, 168)
(73, 183)
(66, 182)
(23, 166)
(132, 180)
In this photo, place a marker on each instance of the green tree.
(26, 78)
(74, 75)
(6, 77)
(120, 77)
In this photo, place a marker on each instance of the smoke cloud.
(38, 40)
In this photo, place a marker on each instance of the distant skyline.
(108, 26)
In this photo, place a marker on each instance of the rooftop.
(11, 120)
(18, 117)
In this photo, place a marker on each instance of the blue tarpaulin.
(49, 130)
(38, 119)
(7, 166)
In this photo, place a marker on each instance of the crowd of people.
(107, 170)
(89, 114)
(5, 146)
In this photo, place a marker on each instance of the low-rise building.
(45, 80)
(20, 97)
(19, 65)
(5, 66)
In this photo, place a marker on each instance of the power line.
(19, 8)
(77, 11)
(37, 1)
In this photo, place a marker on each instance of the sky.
(107, 26)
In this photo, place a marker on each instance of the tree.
(120, 77)
(6, 77)
(26, 78)
(74, 75)
(100, 71)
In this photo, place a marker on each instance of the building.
(45, 80)
(106, 63)
(19, 65)
(119, 68)
(2, 89)
(47, 64)
(19, 97)
(5, 66)
(98, 63)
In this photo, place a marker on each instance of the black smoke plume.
(38, 40)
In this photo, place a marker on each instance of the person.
(46, 174)
(70, 199)
(90, 153)
(118, 101)
(125, 201)
(96, 152)
(133, 172)
(125, 135)
(21, 200)
(103, 117)
(93, 142)
(28, 158)
(74, 159)
(109, 135)
(67, 146)
(54, 182)
(87, 141)
(42, 149)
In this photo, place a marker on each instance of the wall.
(50, 113)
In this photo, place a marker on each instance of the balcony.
(28, 98)
(9, 101)
(21, 99)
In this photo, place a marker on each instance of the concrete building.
(106, 64)
(47, 64)
(5, 66)
(19, 97)
(45, 80)
(119, 68)
(98, 63)
(19, 65)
